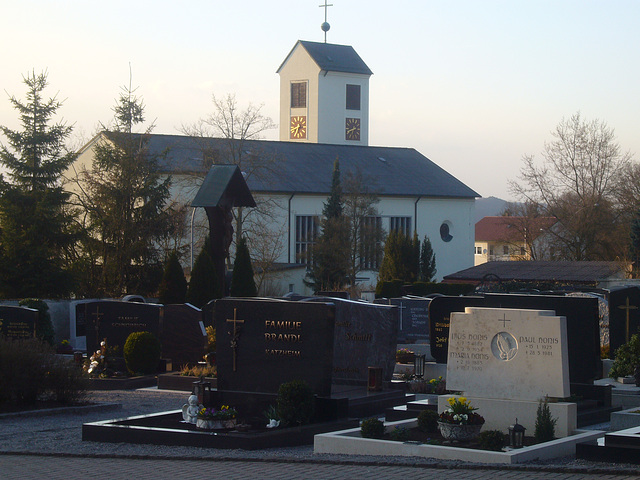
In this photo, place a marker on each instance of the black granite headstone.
(440, 309)
(182, 337)
(365, 336)
(115, 321)
(413, 318)
(18, 322)
(583, 329)
(624, 315)
(263, 343)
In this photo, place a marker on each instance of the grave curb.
(64, 410)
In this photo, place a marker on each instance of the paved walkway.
(20, 467)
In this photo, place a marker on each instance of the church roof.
(292, 167)
(333, 58)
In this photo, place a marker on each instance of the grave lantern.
(516, 435)
(202, 390)
(418, 365)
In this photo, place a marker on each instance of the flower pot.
(208, 424)
(405, 357)
(212, 424)
(460, 433)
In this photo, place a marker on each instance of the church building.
(324, 116)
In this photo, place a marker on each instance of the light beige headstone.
(508, 354)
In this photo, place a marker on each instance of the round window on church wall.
(445, 232)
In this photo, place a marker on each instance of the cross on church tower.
(325, 26)
(235, 335)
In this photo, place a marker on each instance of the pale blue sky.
(473, 85)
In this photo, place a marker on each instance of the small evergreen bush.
(428, 421)
(545, 424)
(493, 440)
(372, 428)
(399, 434)
(295, 403)
(142, 353)
(626, 358)
(203, 286)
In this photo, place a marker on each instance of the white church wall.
(332, 110)
(299, 67)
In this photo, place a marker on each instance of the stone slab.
(625, 419)
(413, 318)
(499, 414)
(508, 354)
(349, 442)
(18, 322)
(262, 343)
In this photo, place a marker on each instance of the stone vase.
(210, 424)
(459, 433)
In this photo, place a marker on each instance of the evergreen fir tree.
(330, 252)
(414, 265)
(35, 226)
(398, 260)
(173, 287)
(427, 261)
(203, 287)
(242, 281)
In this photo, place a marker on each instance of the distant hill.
(489, 207)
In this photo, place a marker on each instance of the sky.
(472, 85)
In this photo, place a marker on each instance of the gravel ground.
(61, 433)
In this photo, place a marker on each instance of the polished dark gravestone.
(116, 320)
(583, 327)
(18, 322)
(182, 334)
(413, 318)
(624, 315)
(263, 343)
(365, 336)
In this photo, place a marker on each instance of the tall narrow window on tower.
(299, 95)
(353, 97)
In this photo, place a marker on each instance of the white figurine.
(190, 410)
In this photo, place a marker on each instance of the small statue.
(190, 410)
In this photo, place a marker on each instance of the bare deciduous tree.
(576, 183)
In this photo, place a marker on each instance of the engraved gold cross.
(235, 335)
(627, 307)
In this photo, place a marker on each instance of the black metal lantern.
(516, 435)
(202, 390)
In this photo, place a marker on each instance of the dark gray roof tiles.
(333, 58)
(291, 167)
(584, 272)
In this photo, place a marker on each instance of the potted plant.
(212, 419)
(460, 422)
(404, 355)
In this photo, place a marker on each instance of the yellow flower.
(463, 400)
(451, 401)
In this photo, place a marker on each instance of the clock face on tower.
(298, 126)
(352, 129)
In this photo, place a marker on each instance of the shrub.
(492, 440)
(242, 282)
(428, 421)
(545, 424)
(372, 428)
(44, 327)
(29, 371)
(295, 403)
(142, 352)
(173, 287)
(399, 434)
(626, 358)
(203, 286)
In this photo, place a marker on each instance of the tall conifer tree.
(35, 225)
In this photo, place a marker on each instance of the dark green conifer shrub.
(142, 353)
(203, 286)
(173, 287)
(627, 357)
(242, 281)
(44, 327)
(295, 403)
(545, 424)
